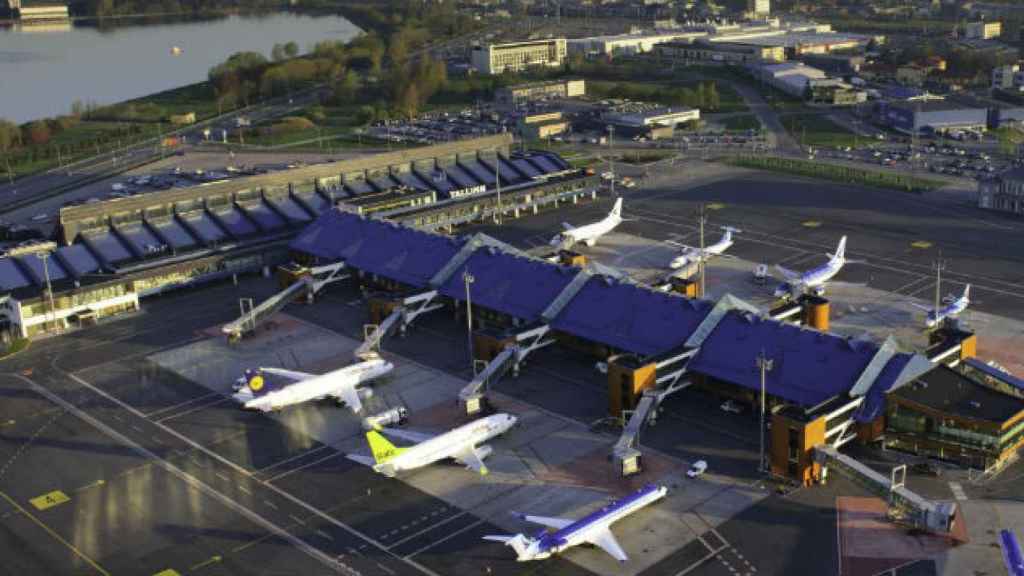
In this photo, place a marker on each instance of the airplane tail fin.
(840, 250)
(617, 209)
(967, 292)
(519, 543)
(382, 448)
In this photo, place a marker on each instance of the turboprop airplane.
(460, 444)
(1012, 556)
(589, 233)
(255, 392)
(954, 306)
(594, 528)
(693, 254)
(814, 280)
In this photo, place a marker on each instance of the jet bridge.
(309, 281)
(626, 451)
(905, 507)
(472, 396)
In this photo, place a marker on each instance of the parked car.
(699, 467)
(731, 406)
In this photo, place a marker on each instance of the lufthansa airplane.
(256, 392)
(594, 528)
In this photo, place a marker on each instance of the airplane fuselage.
(448, 444)
(320, 386)
(591, 232)
(693, 255)
(952, 309)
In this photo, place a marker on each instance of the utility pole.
(764, 364)
(939, 266)
(497, 182)
(10, 174)
(45, 256)
(611, 152)
(702, 219)
(468, 279)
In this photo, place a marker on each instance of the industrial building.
(542, 126)
(720, 52)
(1008, 78)
(630, 44)
(798, 43)
(933, 117)
(1005, 192)
(516, 56)
(113, 253)
(802, 81)
(645, 118)
(513, 96)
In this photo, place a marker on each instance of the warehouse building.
(520, 94)
(630, 44)
(802, 81)
(704, 51)
(646, 118)
(933, 117)
(1004, 193)
(516, 56)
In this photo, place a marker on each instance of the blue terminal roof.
(809, 366)
(11, 276)
(630, 317)
(330, 234)
(874, 400)
(515, 285)
(402, 254)
(996, 373)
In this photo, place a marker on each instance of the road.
(108, 163)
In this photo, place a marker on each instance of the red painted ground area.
(1008, 352)
(869, 543)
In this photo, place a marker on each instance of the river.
(43, 69)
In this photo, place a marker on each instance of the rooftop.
(946, 390)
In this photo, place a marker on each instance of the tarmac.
(120, 454)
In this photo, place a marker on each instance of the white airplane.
(593, 528)
(255, 392)
(693, 253)
(954, 306)
(814, 280)
(460, 444)
(589, 233)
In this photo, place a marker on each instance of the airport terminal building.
(112, 254)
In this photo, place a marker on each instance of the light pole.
(10, 174)
(45, 256)
(497, 183)
(468, 279)
(702, 218)
(764, 364)
(611, 152)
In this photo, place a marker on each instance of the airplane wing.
(472, 460)
(567, 227)
(556, 523)
(289, 374)
(350, 396)
(409, 435)
(787, 273)
(679, 245)
(920, 306)
(609, 544)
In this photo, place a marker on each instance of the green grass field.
(817, 130)
(742, 122)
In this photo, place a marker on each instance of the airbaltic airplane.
(591, 529)
(954, 306)
(255, 392)
(591, 232)
(814, 280)
(459, 444)
(693, 253)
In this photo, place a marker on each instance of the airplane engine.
(484, 451)
(591, 242)
(365, 393)
(819, 290)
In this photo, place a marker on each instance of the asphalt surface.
(154, 472)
